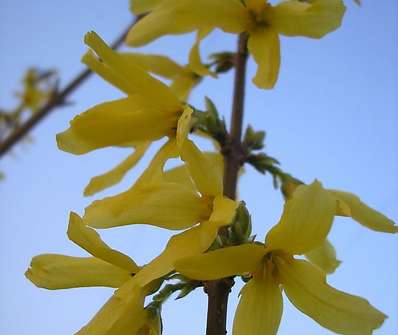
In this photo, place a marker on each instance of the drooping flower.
(161, 199)
(304, 225)
(107, 267)
(149, 112)
(262, 21)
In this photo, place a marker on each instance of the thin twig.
(57, 100)
(218, 290)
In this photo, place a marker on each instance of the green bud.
(242, 226)
(253, 140)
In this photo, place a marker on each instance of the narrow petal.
(221, 263)
(306, 287)
(364, 214)
(143, 6)
(105, 72)
(314, 19)
(305, 222)
(157, 64)
(121, 315)
(206, 175)
(224, 210)
(260, 307)
(324, 257)
(154, 172)
(173, 17)
(180, 175)
(184, 126)
(195, 60)
(184, 83)
(185, 244)
(264, 46)
(88, 239)
(165, 205)
(115, 123)
(114, 176)
(139, 81)
(53, 272)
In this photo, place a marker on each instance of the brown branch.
(57, 100)
(218, 290)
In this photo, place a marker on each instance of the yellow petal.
(154, 172)
(183, 84)
(195, 60)
(206, 175)
(364, 214)
(88, 239)
(138, 80)
(314, 19)
(324, 257)
(53, 272)
(185, 244)
(121, 315)
(166, 205)
(106, 72)
(305, 222)
(143, 6)
(260, 308)
(306, 287)
(180, 175)
(184, 126)
(224, 210)
(221, 263)
(115, 123)
(264, 46)
(115, 175)
(160, 65)
(183, 16)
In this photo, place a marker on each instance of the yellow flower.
(108, 267)
(184, 78)
(348, 205)
(168, 200)
(262, 21)
(149, 112)
(304, 225)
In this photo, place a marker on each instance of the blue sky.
(332, 116)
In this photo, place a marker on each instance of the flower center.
(260, 17)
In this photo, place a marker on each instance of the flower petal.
(114, 176)
(363, 214)
(143, 6)
(206, 175)
(88, 239)
(260, 307)
(184, 126)
(324, 257)
(160, 65)
(314, 19)
(53, 272)
(183, 84)
(139, 82)
(305, 222)
(306, 287)
(122, 314)
(183, 16)
(165, 205)
(185, 244)
(195, 60)
(264, 46)
(115, 123)
(222, 263)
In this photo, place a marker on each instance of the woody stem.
(218, 290)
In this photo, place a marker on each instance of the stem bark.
(218, 290)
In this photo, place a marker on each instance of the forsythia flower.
(304, 225)
(108, 267)
(262, 21)
(150, 111)
(157, 200)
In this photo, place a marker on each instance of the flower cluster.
(214, 232)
